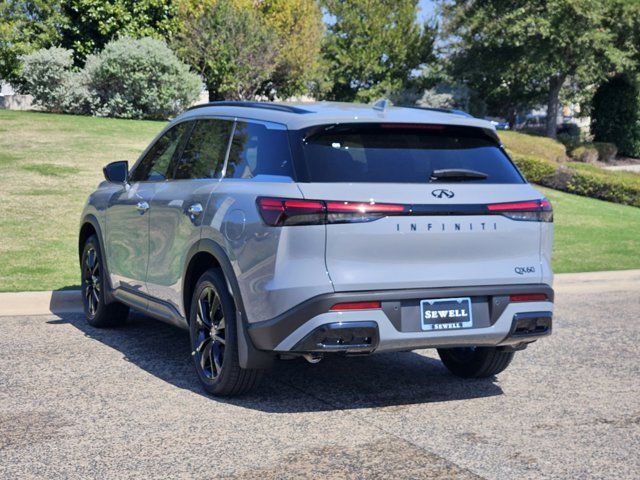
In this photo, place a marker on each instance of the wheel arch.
(90, 226)
(206, 254)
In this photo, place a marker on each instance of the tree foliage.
(373, 47)
(91, 24)
(615, 114)
(299, 26)
(520, 51)
(232, 47)
(271, 46)
(26, 26)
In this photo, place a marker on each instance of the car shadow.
(336, 383)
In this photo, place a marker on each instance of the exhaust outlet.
(312, 357)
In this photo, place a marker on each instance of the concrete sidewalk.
(70, 301)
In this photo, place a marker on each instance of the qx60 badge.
(442, 193)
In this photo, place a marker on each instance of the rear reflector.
(529, 297)
(356, 306)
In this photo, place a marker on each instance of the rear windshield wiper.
(454, 174)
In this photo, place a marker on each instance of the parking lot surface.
(78, 402)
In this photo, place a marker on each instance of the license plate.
(446, 314)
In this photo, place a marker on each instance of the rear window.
(401, 153)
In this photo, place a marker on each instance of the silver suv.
(272, 230)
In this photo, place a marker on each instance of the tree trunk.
(511, 117)
(553, 105)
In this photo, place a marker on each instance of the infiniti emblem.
(442, 193)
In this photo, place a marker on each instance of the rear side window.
(258, 149)
(203, 155)
(401, 153)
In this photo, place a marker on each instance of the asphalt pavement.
(78, 402)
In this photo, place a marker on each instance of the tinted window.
(155, 164)
(259, 150)
(203, 155)
(393, 153)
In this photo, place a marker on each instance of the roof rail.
(441, 110)
(265, 105)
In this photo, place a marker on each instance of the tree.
(232, 48)
(295, 29)
(91, 24)
(373, 47)
(299, 26)
(26, 26)
(615, 114)
(521, 50)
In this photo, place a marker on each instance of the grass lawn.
(50, 163)
(592, 235)
(532, 145)
(48, 166)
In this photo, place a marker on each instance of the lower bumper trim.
(528, 327)
(347, 337)
(268, 334)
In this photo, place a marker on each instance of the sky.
(427, 8)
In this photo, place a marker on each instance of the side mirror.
(117, 172)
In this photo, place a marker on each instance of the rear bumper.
(312, 327)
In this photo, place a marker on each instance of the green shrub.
(45, 75)
(535, 169)
(585, 153)
(581, 179)
(569, 141)
(140, 79)
(606, 151)
(594, 182)
(615, 114)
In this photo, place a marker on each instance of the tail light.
(528, 297)
(356, 306)
(532, 210)
(279, 212)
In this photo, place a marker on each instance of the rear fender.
(249, 357)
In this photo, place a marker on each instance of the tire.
(97, 312)
(214, 339)
(475, 362)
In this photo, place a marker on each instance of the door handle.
(142, 207)
(195, 210)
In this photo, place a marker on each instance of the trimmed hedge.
(535, 169)
(591, 181)
(582, 179)
(585, 153)
(606, 151)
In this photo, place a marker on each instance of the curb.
(40, 303)
(70, 301)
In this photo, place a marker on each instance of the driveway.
(78, 402)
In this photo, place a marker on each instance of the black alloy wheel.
(210, 339)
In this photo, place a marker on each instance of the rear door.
(178, 205)
(414, 206)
